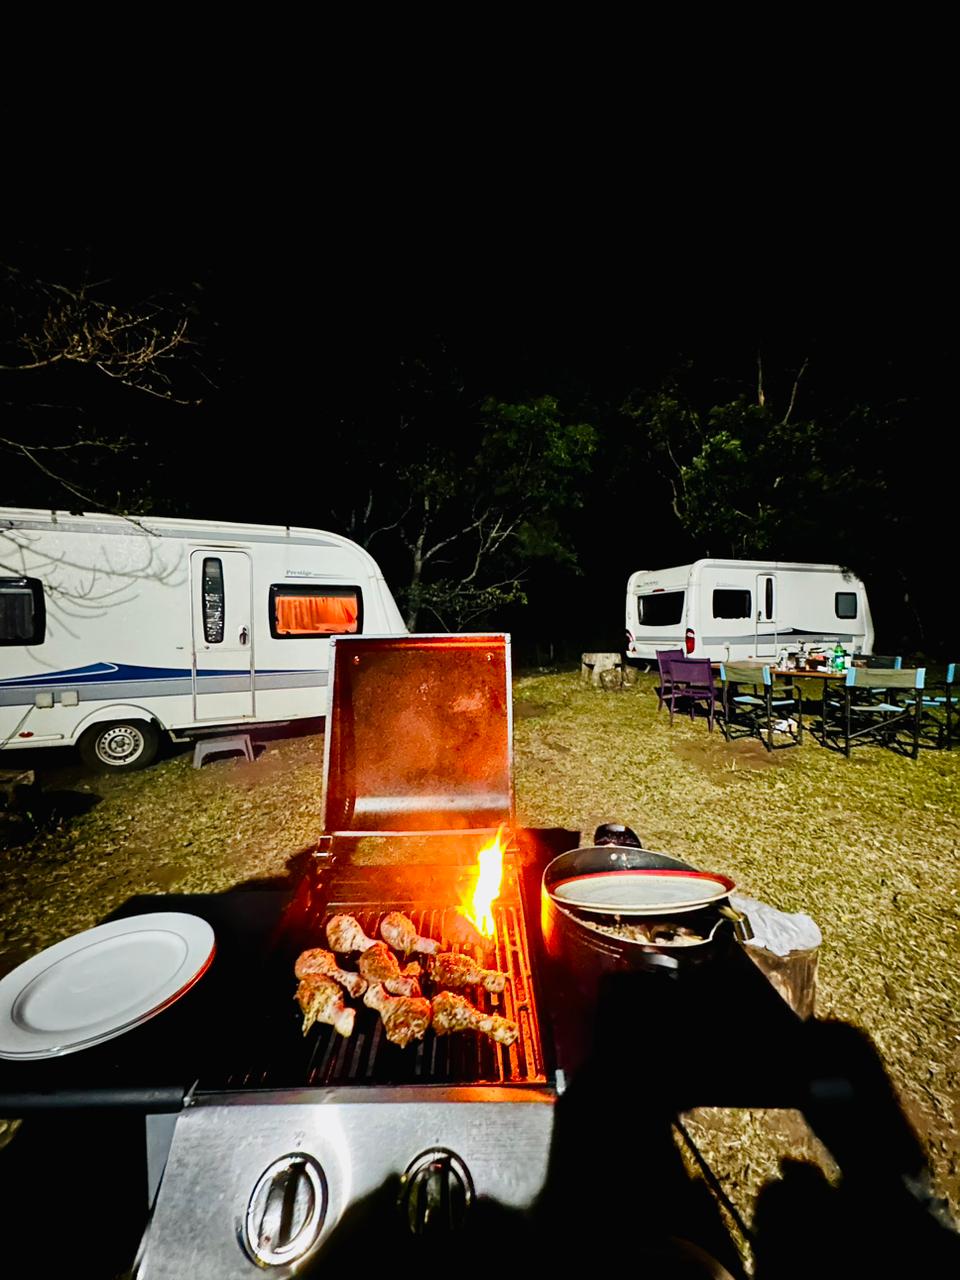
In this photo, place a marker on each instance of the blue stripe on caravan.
(104, 672)
(106, 682)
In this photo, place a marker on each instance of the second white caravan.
(730, 609)
(115, 630)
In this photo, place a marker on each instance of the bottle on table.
(838, 657)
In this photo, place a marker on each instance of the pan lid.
(641, 891)
(419, 735)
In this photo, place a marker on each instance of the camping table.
(804, 673)
(823, 674)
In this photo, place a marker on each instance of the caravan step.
(238, 744)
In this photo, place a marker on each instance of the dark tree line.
(496, 487)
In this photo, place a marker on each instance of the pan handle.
(617, 834)
(742, 928)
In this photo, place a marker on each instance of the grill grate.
(323, 1058)
(465, 1058)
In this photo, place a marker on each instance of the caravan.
(732, 609)
(114, 629)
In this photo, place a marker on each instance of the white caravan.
(730, 609)
(115, 629)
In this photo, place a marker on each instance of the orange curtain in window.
(315, 615)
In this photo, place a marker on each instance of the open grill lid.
(419, 736)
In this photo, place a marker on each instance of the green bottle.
(838, 656)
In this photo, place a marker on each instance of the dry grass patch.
(870, 847)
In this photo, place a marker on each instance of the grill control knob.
(436, 1193)
(286, 1212)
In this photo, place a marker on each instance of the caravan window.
(661, 608)
(845, 604)
(213, 600)
(299, 612)
(729, 602)
(22, 615)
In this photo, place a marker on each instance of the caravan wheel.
(123, 744)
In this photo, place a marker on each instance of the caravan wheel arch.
(134, 744)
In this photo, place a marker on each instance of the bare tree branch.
(77, 493)
(127, 345)
(114, 446)
(793, 393)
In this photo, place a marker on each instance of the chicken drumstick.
(404, 1018)
(321, 1000)
(314, 962)
(344, 934)
(400, 931)
(454, 1013)
(450, 969)
(379, 964)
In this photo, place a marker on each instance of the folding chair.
(691, 680)
(834, 696)
(877, 705)
(940, 713)
(774, 708)
(664, 657)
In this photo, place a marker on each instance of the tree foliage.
(486, 502)
(751, 479)
(467, 494)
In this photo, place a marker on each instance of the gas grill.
(270, 1143)
(324, 1058)
(271, 1152)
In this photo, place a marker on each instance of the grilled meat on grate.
(455, 1013)
(401, 933)
(321, 1000)
(405, 1018)
(379, 964)
(345, 934)
(451, 969)
(317, 961)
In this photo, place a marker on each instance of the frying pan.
(574, 933)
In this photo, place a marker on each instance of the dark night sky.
(564, 251)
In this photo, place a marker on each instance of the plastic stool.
(239, 743)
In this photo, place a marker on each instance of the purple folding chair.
(692, 679)
(664, 656)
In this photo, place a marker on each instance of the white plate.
(642, 892)
(101, 983)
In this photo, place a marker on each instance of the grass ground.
(870, 847)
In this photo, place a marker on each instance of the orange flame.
(479, 910)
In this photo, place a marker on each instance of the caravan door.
(221, 594)
(766, 640)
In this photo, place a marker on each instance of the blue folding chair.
(772, 712)
(878, 705)
(940, 710)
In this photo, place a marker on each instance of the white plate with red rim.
(642, 891)
(100, 983)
